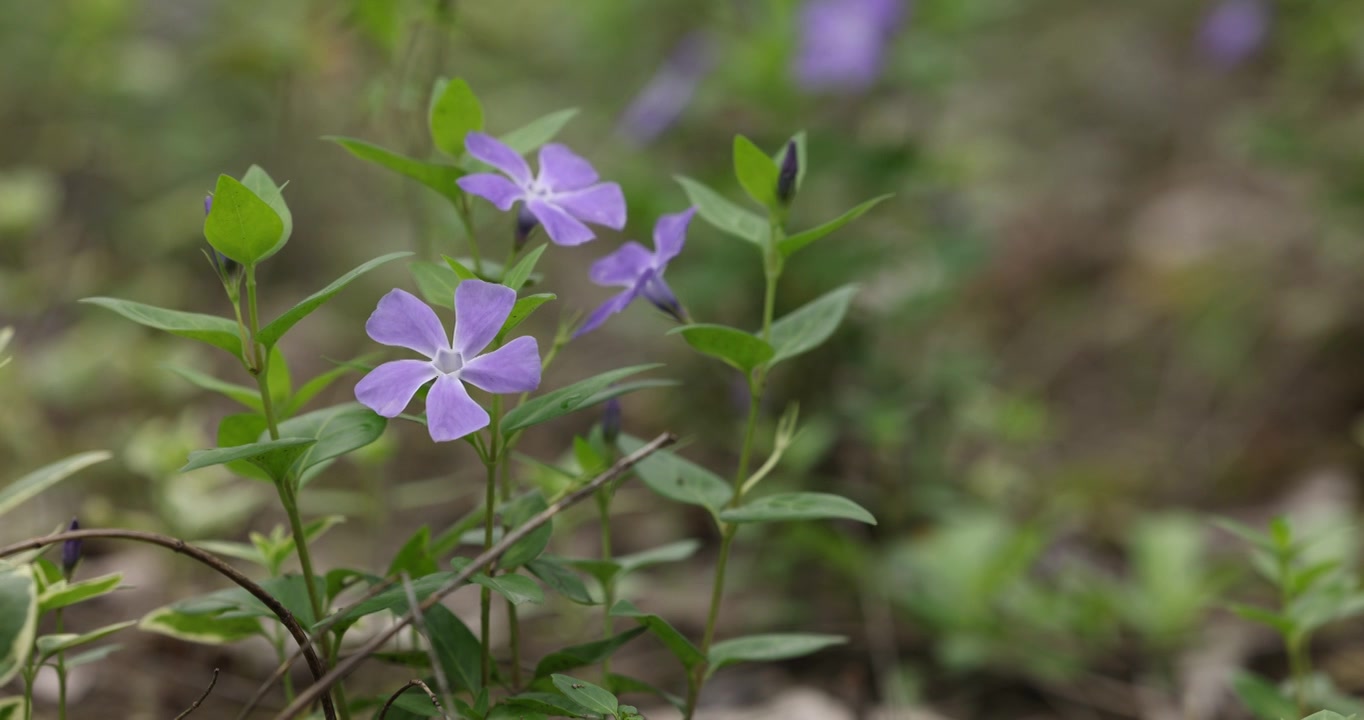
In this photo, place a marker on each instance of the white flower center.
(447, 361)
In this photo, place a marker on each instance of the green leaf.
(440, 178)
(583, 655)
(279, 381)
(92, 655)
(517, 589)
(249, 397)
(395, 598)
(1263, 699)
(271, 333)
(756, 172)
(736, 348)
(507, 711)
(461, 270)
(621, 684)
(454, 114)
(516, 514)
(791, 243)
(1283, 625)
(520, 272)
(670, 553)
(62, 595)
(584, 693)
(311, 388)
(521, 310)
(259, 182)
(768, 648)
(242, 429)
(798, 506)
(414, 557)
(12, 708)
(435, 282)
(680, 480)
(211, 329)
(538, 131)
(804, 329)
(676, 642)
(203, 628)
(18, 619)
(337, 430)
(548, 703)
(241, 225)
(458, 648)
(725, 215)
(45, 477)
(49, 645)
(273, 456)
(1328, 715)
(565, 400)
(555, 574)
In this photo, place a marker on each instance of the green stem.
(489, 517)
(608, 587)
(466, 219)
(28, 693)
(61, 672)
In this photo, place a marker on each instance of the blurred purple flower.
(843, 42)
(401, 320)
(640, 272)
(562, 197)
(610, 420)
(1234, 30)
(669, 91)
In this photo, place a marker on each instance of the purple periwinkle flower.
(843, 42)
(640, 272)
(71, 551)
(1234, 30)
(401, 320)
(562, 197)
(669, 91)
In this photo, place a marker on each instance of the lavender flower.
(71, 551)
(843, 42)
(1234, 30)
(563, 197)
(401, 320)
(640, 272)
(663, 100)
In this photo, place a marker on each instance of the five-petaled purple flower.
(640, 272)
(563, 197)
(843, 42)
(401, 320)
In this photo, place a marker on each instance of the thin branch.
(286, 618)
(411, 684)
(483, 560)
(419, 622)
(201, 699)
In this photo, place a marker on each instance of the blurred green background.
(1117, 293)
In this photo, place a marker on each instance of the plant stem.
(485, 598)
(61, 671)
(465, 218)
(28, 692)
(608, 587)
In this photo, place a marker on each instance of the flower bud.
(610, 421)
(656, 291)
(525, 225)
(790, 172)
(71, 551)
(208, 203)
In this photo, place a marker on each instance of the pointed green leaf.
(552, 572)
(508, 711)
(440, 178)
(242, 429)
(798, 506)
(49, 645)
(791, 243)
(804, 329)
(583, 655)
(458, 648)
(271, 333)
(45, 477)
(203, 628)
(18, 619)
(12, 708)
(584, 693)
(538, 131)
(1262, 697)
(92, 655)
(517, 589)
(723, 214)
(211, 329)
(622, 684)
(521, 310)
(676, 642)
(395, 598)
(1281, 624)
(62, 595)
(337, 430)
(678, 479)
(260, 183)
(768, 648)
(565, 400)
(756, 172)
(551, 704)
(736, 348)
(272, 456)
(311, 388)
(516, 514)
(241, 225)
(414, 557)
(461, 270)
(435, 282)
(454, 114)
(250, 397)
(670, 553)
(520, 272)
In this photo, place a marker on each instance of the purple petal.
(843, 42)
(602, 204)
(450, 412)
(401, 320)
(610, 307)
(480, 309)
(622, 267)
(388, 388)
(496, 189)
(1235, 30)
(656, 290)
(670, 233)
(512, 368)
(561, 227)
(562, 170)
(668, 93)
(492, 151)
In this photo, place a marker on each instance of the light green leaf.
(510, 712)
(768, 648)
(241, 225)
(798, 506)
(311, 388)
(517, 589)
(591, 653)
(538, 132)
(211, 329)
(12, 708)
(670, 553)
(395, 598)
(18, 619)
(203, 628)
(435, 282)
(756, 172)
(454, 114)
(462, 271)
(676, 642)
(520, 272)
(804, 329)
(1262, 697)
(584, 693)
(242, 429)
(272, 456)
(249, 397)
(521, 310)
(725, 215)
(553, 572)
(278, 380)
(736, 348)
(49, 645)
(565, 400)
(259, 182)
(337, 430)
(92, 655)
(271, 333)
(791, 243)
(45, 477)
(62, 595)
(458, 648)
(677, 479)
(440, 178)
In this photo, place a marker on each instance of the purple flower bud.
(656, 291)
(71, 551)
(526, 223)
(208, 203)
(610, 421)
(790, 171)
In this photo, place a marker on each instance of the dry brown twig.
(412, 683)
(201, 699)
